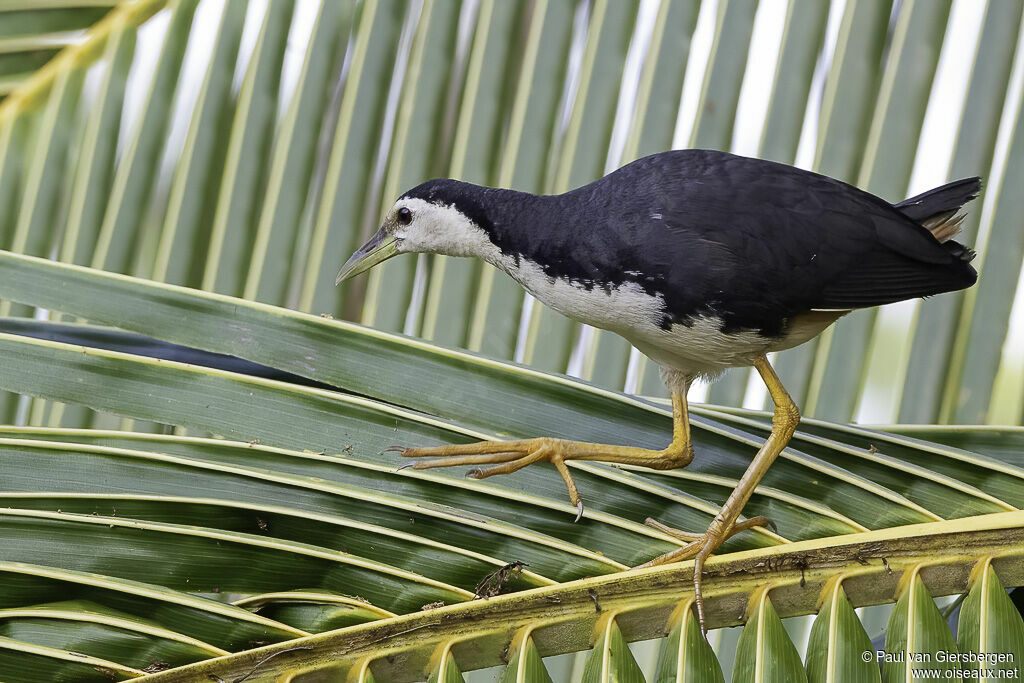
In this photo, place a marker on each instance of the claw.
(398, 449)
(699, 547)
(474, 473)
(579, 511)
(411, 463)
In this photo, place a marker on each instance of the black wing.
(757, 242)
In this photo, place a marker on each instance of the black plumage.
(752, 242)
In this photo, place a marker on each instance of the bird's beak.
(380, 247)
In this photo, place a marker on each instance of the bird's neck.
(508, 219)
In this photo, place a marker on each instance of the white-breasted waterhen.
(704, 261)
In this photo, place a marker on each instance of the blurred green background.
(248, 147)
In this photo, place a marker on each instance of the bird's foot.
(699, 547)
(505, 457)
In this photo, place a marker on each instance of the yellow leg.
(506, 457)
(784, 423)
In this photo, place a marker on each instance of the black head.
(466, 198)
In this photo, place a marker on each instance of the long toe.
(760, 521)
(459, 460)
(501, 457)
(675, 533)
(508, 465)
(477, 448)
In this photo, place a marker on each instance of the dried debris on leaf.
(493, 584)
(157, 665)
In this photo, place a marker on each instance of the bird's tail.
(945, 226)
(938, 209)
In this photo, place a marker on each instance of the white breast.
(619, 309)
(700, 348)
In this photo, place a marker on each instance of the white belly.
(701, 348)
(698, 349)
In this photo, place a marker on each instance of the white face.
(420, 226)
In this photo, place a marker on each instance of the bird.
(703, 260)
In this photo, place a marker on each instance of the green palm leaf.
(309, 491)
(237, 518)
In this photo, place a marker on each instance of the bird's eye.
(404, 216)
